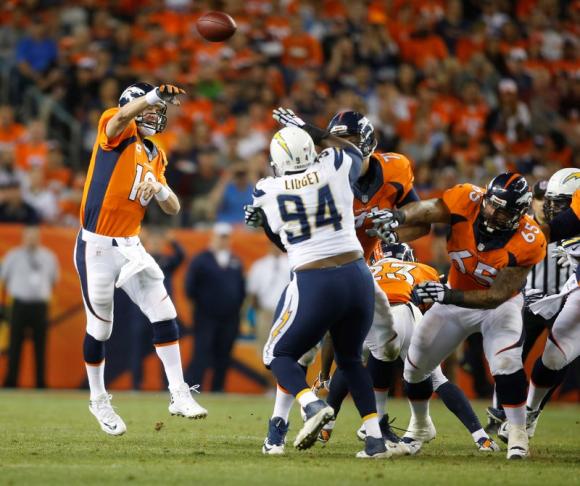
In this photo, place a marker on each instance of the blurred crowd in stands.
(465, 89)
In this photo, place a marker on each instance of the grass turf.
(51, 438)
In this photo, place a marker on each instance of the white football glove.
(561, 256)
(253, 216)
(430, 292)
(531, 296)
(385, 222)
(287, 118)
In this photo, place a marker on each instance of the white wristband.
(152, 97)
(163, 194)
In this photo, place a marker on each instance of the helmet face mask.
(553, 205)
(151, 121)
(559, 191)
(347, 124)
(506, 201)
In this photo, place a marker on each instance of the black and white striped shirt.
(548, 276)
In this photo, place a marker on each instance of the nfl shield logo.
(365, 198)
(480, 247)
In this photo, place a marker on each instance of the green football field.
(51, 438)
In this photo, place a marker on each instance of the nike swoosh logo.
(112, 427)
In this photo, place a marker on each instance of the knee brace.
(553, 357)
(93, 350)
(382, 372)
(544, 377)
(165, 332)
(511, 389)
(419, 391)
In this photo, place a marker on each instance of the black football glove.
(253, 216)
(430, 292)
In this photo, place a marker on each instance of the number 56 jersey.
(312, 210)
(110, 205)
(474, 266)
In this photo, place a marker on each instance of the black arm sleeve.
(273, 237)
(564, 225)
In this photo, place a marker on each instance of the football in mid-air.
(216, 26)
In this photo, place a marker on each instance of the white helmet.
(561, 187)
(291, 150)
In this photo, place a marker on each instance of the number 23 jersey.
(110, 205)
(472, 268)
(312, 210)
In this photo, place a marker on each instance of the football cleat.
(503, 431)
(495, 417)
(108, 419)
(276, 440)
(318, 414)
(413, 446)
(183, 404)
(326, 432)
(420, 431)
(374, 449)
(393, 442)
(487, 444)
(517, 442)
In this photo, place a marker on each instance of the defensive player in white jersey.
(307, 210)
(563, 343)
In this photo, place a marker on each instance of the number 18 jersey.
(312, 210)
(110, 205)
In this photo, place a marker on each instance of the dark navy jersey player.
(308, 209)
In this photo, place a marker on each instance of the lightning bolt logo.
(283, 144)
(571, 177)
(283, 320)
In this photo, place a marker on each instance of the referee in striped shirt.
(546, 278)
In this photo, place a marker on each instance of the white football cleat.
(183, 404)
(517, 442)
(318, 414)
(487, 444)
(420, 431)
(108, 419)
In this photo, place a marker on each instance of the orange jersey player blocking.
(125, 174)
(386, 180)
(394, 321)
(492, 246)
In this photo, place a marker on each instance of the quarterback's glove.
(253, 216)
(167, 93)
(430, 292)
(287, 118)
(531, 296)
(385, 222)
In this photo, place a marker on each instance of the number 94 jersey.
(312, 210)
(110, 205)
(472, 268)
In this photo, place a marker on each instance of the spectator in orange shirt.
(300, 49)
(33, 150)
(424, 45)
(471, 115)
(11, 132)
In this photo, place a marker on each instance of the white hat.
(222, 229)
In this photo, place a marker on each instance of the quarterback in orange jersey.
(386, 179)
(389, 338)
(492, 246)
(126, 172)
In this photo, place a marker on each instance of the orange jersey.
(397, 278)
(110, 205)
(390, 181)
(575, 205)
(472, 268)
